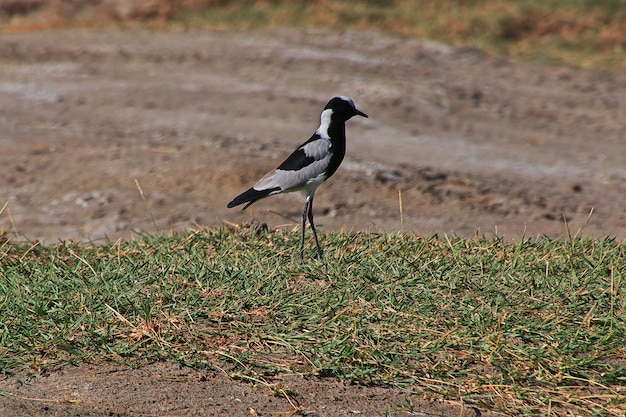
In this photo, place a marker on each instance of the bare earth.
(106, 134)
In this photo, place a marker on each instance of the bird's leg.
(317, 244)
(304, 212)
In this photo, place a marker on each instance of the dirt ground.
(166, 389)
(109, 134)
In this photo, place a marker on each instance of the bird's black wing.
(299, 158)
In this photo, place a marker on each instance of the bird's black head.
(343, 108)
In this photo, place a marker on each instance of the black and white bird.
(310, 165)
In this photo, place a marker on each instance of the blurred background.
(486, 117)
(582, 33)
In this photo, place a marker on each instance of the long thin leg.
(304, 212)
(317, 244)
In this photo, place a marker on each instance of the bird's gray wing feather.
(294, 180)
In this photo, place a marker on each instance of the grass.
(531, 327)
(578, 33)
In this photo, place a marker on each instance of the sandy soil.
(166, 389)
(106, 134)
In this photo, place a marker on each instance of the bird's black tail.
(251, 196)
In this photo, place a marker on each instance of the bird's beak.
(360, 113)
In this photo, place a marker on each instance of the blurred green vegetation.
(577, 33)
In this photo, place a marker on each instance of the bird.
(312, 163)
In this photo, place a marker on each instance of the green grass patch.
(521, 327)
